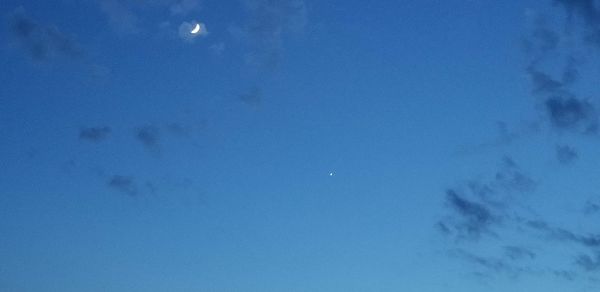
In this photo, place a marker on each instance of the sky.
(297, 145)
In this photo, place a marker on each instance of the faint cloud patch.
(217, 48)
(267, 23)
(149, 136)
(120, 17)
(589, 263)
(94, 134)
(183, 7)
(504, 136)
(566, 154)
(41, 42)
(253, 97)
(591, 208)
(124, 184)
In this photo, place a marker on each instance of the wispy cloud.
(557, 233)
(491, 265)
(518, 253)
(504, 136)
(511, 178)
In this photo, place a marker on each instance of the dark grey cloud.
(484, 209)
(41, 42)
(483, 190)
(443, 227)
(588, 12)
(480, 205)
(542, 82)
(490, 206)
(588, 263)
(571, 113)
(148, 135)
(267, 23)
(518, 253)
(153, 136)
(135, 186)
(564, 110)
(584, 8)
(566, 154)
(94, 134)
(474, 219)
(124, 184)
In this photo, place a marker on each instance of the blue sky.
(299, 145)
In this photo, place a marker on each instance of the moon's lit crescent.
(196, 29)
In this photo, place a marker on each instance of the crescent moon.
(196, 29)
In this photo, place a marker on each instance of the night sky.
(298, 145)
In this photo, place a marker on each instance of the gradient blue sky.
(462, 137)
